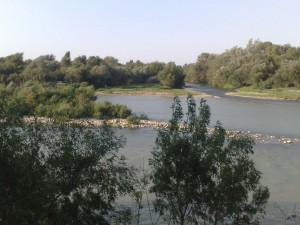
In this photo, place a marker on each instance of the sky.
(146, 30)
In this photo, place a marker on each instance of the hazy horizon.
(143, 30)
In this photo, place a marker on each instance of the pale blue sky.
(148, 30)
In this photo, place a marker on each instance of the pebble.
(156, 125)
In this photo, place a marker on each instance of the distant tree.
(44, 68)
(93, 61)
(259, 64)
(100, 76)
(12, 64)
(66, 59)
(76, 74)
(79, 61)
(172, 76)
(196, 73)
(111, 61)
(292, 53)
(288, 75)
(156, 67)
(198, 175)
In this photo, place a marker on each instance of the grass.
(146, 89)
(275, 93)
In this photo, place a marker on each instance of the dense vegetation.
(64, 173)
(93, 70)
(205, 177)
(66, 88)
(58, 101)
(60, 173)
(260, 65)
(171, 76)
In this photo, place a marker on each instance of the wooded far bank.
(260, 65)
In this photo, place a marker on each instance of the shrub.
(133, 119)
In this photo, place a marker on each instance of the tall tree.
(59, 173)
(12, 64)
(172, 76)
(44, 68)
(66, 59)
(199, 175)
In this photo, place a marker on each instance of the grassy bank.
(278, 93)
(148, 89)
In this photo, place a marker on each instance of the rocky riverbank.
(152, 124)
(259, 138)
(153, 93)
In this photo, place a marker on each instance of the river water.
(279, 163)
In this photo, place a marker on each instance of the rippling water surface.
(268, 117)
(279, 163)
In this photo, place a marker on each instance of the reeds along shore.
(153, 124)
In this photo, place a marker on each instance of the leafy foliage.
(202, 176)
(96, 71)
(104, 110)
(59, 173)
(260, 64)
(171, 76)
(133, 119)
(60, 101)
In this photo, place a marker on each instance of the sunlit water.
(267, 117)
(279, 163)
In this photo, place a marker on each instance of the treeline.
(259, 64)
(93, 70)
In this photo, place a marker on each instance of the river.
(279, 163)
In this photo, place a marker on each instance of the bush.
(121, 111)
(106, 110)
(133, 119)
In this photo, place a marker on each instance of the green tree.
(196, 73)
(199, 175)
(66, 59)
(79, 61)
(172, 76)
(75, 74)
(111, 61)
(100, 76)
(156, 67)
(44, 68)
(288, 75)
(93, 61)
(59, 173)
(12, 64)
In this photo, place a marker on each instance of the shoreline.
(196, 94)
(241, 95)
(281, 94)
(156, 125)
(160, 94)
